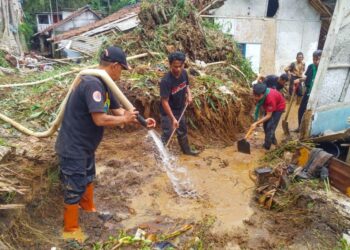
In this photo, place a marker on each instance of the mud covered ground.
(133, 191)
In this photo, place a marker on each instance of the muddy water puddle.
(220, 176)
(138, 186)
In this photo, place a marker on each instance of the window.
(43, 19)
(272, 8)
(251, 51)
(242, 48)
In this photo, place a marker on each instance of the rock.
(105, 216)
(121, 216)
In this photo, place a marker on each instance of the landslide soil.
(133, 191)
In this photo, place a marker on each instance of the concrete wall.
(234, 8)
(298, 29)
(333, 84)
(330, 97)
(79, 21)
(295, 27)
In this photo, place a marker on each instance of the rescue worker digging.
(274, 82)
(82, 131)
(175, 93)
(274, 105)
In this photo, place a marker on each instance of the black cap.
(284, 77)
(259, 89)
(115, 54)
(317, 53)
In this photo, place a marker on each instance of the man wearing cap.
(86, 115)
(274, 105)
(175, 93)
(274, 82)
(309, 79)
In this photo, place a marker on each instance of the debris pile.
(302, 166)
(219, 75)
(31, 61)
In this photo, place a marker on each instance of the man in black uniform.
(175, 93)
(81, 132)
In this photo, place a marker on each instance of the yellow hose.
(57, 122)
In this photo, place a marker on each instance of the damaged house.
(50, 25)
(87, 39)
(83, 32)
(271, 32)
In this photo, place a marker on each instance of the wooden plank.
(339, 175)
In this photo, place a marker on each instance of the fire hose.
(57, 122)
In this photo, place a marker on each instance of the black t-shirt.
(271, 81)
(79, 137)
(175, 90)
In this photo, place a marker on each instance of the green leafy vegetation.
(342, 245)
(3, 62)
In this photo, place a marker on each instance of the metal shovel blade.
(285, 127)
(243, 146)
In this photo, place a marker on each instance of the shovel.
(242, 145)
(172, 133)
(284, 122)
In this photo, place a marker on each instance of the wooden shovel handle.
(290, 106)
(250, 131)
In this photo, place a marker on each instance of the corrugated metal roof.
(124, 24)
(82, 44)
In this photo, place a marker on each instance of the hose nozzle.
(142, 120)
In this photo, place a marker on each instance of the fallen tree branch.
(206, 8)
(236, 68)
(12, 206)
(70, 72)
(7, 70)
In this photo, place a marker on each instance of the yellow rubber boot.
(87, 200)
(71, 228)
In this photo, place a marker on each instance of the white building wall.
(79, 21)
(295, 27)
(66, 14)
(234, 8)
(298, 29)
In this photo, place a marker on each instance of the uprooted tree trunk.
(10, 19)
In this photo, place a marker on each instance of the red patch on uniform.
(97, 96)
